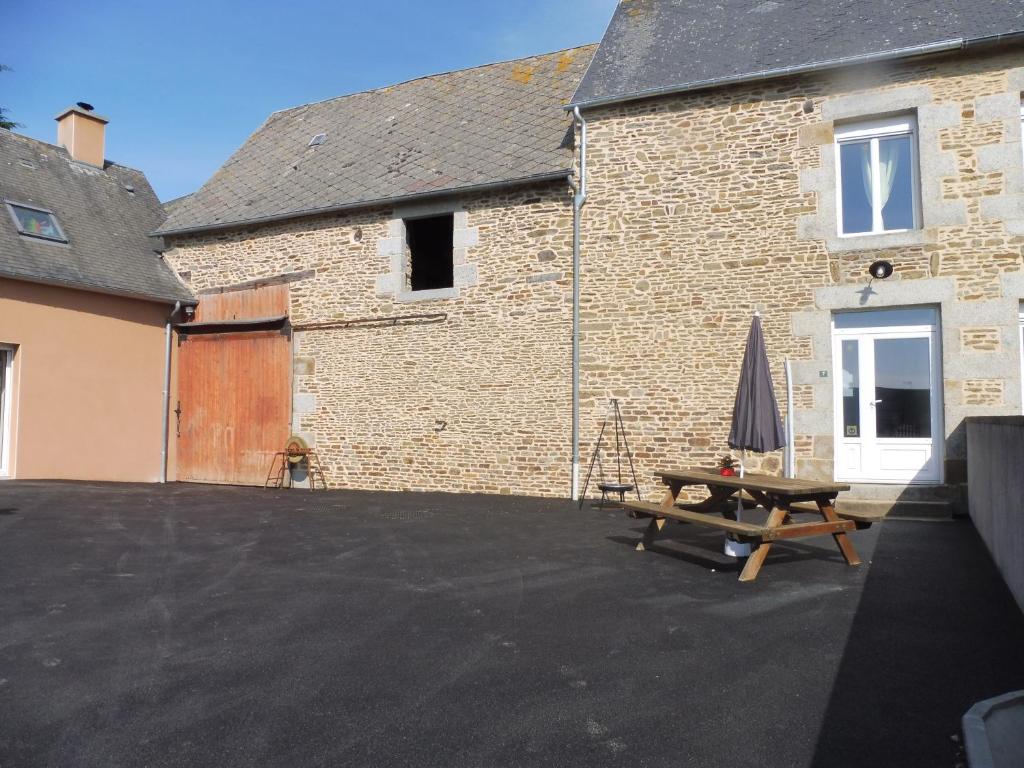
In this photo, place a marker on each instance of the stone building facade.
(705, 206)
(702, 207)
(424, 233)
(468, 390)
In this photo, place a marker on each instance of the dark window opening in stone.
(430, 243)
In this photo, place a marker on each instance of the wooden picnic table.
(780, 496)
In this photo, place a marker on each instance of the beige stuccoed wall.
(88, 381)
(703, 207)
(479, 401)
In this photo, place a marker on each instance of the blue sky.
(184, 83)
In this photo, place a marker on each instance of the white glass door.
(6, 359)
(888, 396)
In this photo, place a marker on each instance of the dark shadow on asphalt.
(697, 555)
(10, 511)
(922, 648)
(704, 549)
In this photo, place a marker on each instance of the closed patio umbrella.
(756, 425)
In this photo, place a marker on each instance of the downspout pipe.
(167, 391)
(579, 198)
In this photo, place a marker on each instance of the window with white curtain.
(877, 176)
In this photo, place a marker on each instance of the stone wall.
(705, 206)
(476, 400)
(702, 207)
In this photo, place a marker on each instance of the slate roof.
(657, 46)
(170, 205)
(488, 125)
(106, 225)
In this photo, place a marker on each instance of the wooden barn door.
(234, 387)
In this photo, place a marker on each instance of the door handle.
(874, 402)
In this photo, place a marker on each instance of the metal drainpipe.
(579, 198)
(167, 391)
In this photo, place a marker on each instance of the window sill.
(846, 243)
(434, 294)
(40, 239)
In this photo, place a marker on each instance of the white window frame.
(873, 130)
(1020, 333)
(5, 408)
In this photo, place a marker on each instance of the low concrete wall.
(995, 488)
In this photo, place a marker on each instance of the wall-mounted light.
(880, 270)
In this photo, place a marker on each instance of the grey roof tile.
(107, 225)
(664, 45)
(170, 205)
(490, 124)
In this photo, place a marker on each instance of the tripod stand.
(618, 486)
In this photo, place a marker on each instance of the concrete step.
(880, 492)
(896, 508)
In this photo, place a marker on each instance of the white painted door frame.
(7, 372)
(1020, 333)
(866, 457)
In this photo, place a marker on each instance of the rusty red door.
(234, 389)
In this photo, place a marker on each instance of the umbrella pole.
(739, 496)
(790, 451)
(735, 547)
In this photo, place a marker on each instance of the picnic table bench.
(780, 496)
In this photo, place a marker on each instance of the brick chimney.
(80, 131)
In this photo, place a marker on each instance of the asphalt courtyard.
(200, 626)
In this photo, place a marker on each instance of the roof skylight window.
(36, 222)
(320, 138)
